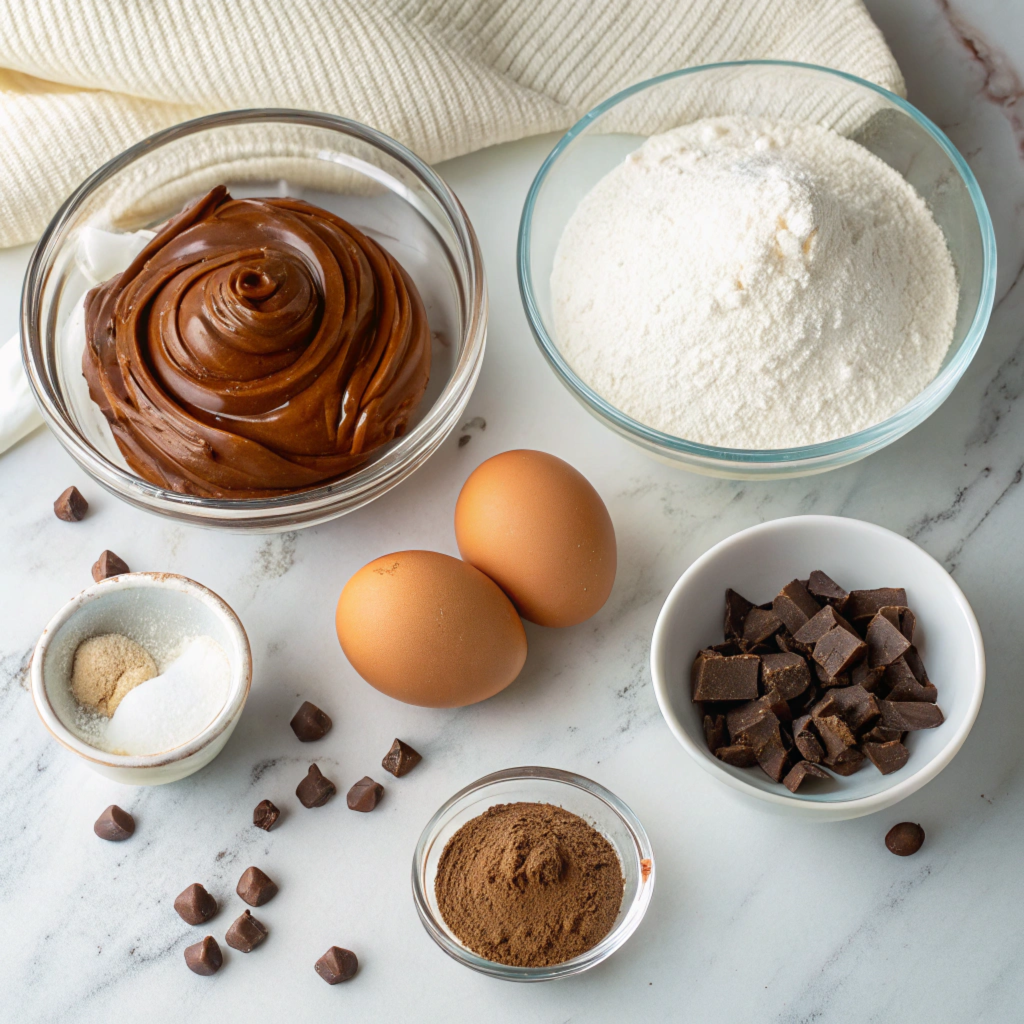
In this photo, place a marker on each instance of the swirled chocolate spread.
(255, 347)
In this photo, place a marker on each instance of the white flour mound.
(754, 285)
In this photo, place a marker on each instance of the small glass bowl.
(592, 802)
(356, 172)
(884, 123)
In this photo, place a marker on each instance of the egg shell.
(537, 527)
(429, 629)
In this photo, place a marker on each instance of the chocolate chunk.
(862, 674)
(255, 888)
(760, 624)
(892, 613)
(855, 706)
(265, 816)
(114, 824)
(838, 651)
(916, 665)
(835, 734)
(195, 905)
(864, 604)
(765, 738)
(787, 673)
(806, 741)
(800, 771)
(715, 732)
(886, 757)
(739, 755)
(310, 723)
(909, 715)
(824, 588)
(885, 642)
(820, 624)
(788, 644)
(848, 762)
(802, 705)
(908, 623)
(774, 702)
(736, 609)
(826, 681)
(364, 795)
(245, 933)
(738, 720)
(795, 606)
(108, 564)
(400, 759)
(904, 839)
(718, 678)
(903, 684)
(71, 506)
(315, 790)
(730, 648)
(337, 965)
(878, 734)
(204, 957)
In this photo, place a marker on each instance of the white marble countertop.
(755, 918)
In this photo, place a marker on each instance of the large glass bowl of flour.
(810, 292)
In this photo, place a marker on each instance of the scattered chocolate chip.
(715, 677)
(195, 905)
(310, 723)
(114, 824)
(760, 624)
(740, 755)
(255, 888)
(786, 673)
(315, 790)
(337, 965)
(885, 642)
(886, 757)
(400, 759)
(826, 589)
(364, 795)
(245, 933)
(909, 715)
(904, 839)
(736, 609)
(838, 650)
(71, 506)
(715, 732)
(795, 606)
(265, 815)
(800, 771)
(864, 604)
(204, 957)
(107, 565)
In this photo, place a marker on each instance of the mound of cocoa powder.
(529, 885)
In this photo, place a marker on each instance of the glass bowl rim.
(371, 480)
(621, 930)
(903, 420)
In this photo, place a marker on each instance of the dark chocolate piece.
(826, 682)
(310, 723)
(364, 795)
(862, 674)
(908, 623)
(903, 684)
(777, 705)
(401, 759)
(916, 665)
(730, 648)
(71, 506)
(794, 605)
(886, 757)
(864, 604)
(848, 762)
(879, 734)
(787, 673)
(719, 678)
(855, 706)
(739, 719)
(736, 609)
(824, 588)
(838, 650)
(835, 734)
(908, 715)
(885, 642)
(800, 771)
(715, 732)
(315, 789)
(204, 957)
(195, 905)
(114, 824)
(904, 839)
(817, 626)
(788, 644)
(255, 888)
(892, 613)
(245, 933)
(806, 740)
(108, 564)
(265, 815)
(765, 738)
(740, 755)
(337, 965)
(760, 624)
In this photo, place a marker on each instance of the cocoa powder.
(529, 885)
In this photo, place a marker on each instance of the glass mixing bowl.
(592, 802)
(879, 120)
(346, 167)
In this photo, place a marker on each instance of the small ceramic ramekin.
(150, 608)
(592, 802)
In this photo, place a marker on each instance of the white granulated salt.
(754, 285)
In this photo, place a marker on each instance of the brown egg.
(427, 629)
(538, 528)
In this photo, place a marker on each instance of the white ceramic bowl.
(149, 607)
(758, 562)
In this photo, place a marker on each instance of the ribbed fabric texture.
(81, 80)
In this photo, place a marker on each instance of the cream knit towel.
(81, 80)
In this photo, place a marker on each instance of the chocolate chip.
(718, 678)
(904, 839)
(740, 755)
(107, 565)
(71, 506)
(255, 888)
(787, 673)
(760, 624)
(315, 790)
(364, 795)
(714, 732)
(795, 606)
(265, 815)
(885, 642)
(114, 824)
(400, 759)
(908, 715)
(838, 650)
(204, 957)
(337, 965)
(195, 905)
(864, 604)
(824, 588)
(310, 723)
(886, 757)
(801, 771)
(245, 933)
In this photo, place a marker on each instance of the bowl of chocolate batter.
(256, 320)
